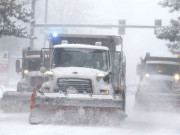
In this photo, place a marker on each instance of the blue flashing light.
(54, 35)
(148, 54)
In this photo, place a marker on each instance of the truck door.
(46, 57)
(116, 70)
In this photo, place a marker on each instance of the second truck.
(28, 66)
(159, 86)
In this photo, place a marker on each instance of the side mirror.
(107, 78)
(18, 68)
(43, 70)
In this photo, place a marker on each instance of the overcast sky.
(136, 12)
(136, 41)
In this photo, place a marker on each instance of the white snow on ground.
(137, 123)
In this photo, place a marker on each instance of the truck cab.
(91, 57)
(29, 67)
(162, 71)
(159, 81)
(32, 79)
(78, 68)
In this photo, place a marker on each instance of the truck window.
(164, 69)
(33, 64)
(74, 57)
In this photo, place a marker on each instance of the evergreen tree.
(171, 32)
(13, 15)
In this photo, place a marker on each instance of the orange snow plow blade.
(76, 109)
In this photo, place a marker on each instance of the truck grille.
(39, 81)
(81, 85)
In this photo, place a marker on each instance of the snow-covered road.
(137, 123)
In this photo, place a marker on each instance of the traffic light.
(158, 25)
(122, 24)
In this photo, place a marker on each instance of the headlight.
(49, 73)
(26, 72)
(147, 75)
(100, 75)
(177, 77)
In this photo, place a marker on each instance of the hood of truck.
(79, 73)
(161, 77)
(157, 83)
(75, 72)
(35, 73)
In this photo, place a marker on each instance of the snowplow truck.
(28, 66)
(86, 82)
(159, 86)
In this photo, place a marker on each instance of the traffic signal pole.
(45, 21)
(121, 26)
(93, 25)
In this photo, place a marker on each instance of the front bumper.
(79, 100)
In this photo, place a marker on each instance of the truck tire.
(19, 87)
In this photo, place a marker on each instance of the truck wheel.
(19, 88)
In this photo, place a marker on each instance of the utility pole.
(45, 21)
(46, 11)
(32, 26)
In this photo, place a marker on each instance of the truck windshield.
(75, 57)
(164, 69)
(33, 64)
